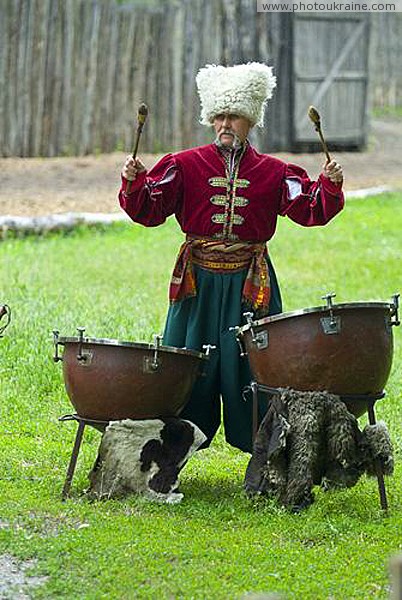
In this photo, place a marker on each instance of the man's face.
(227, 126)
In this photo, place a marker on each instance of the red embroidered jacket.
(194, 185)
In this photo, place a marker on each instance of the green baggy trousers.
(207, 319)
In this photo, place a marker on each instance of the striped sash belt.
(222, 257)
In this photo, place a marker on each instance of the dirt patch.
(41, 186)
(14, 581)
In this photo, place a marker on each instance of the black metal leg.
(377, 464)
(254, 389)
(73, 460)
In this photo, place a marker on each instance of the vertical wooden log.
(65, 113)
(138, 62)
(89, 96)
(58, 74)
(150, 91)
(177, 79)
(27, 79)
(231, 54)
(49, 81)
(4, 51)
(83, 23)
(122, 112)
(39, 81)
(209, 54)
(22, 24)
(188, 73)
(164, 79)
(12, 79)
(128, 108)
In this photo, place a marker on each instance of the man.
(226, 197)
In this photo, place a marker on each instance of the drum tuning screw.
(394, 310)
(56, 356)
(333, 324)
(208, 348)
(157, 342)
(81, 331)
(260, 338)
(152, 364)
(239, 338)
(249, 318)
(328, 298)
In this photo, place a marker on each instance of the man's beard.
(234, 145)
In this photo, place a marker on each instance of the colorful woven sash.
(224, 257)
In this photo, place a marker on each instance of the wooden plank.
(341, 51)
(347, 76)
(323, 88)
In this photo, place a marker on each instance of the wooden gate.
(329, 55)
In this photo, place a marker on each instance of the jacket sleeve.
(309, 202)
(154, 195)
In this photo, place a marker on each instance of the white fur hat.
(241, 89)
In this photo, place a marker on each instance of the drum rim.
(137, 345)
(313, 309)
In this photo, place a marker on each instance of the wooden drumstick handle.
(141, 118)
(316, 119)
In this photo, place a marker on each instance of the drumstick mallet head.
(141, 118)
(314, 116)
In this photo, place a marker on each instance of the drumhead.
(318, 309)
(137, 345)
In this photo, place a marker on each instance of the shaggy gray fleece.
(310, 438)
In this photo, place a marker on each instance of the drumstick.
(316, 119)
(141, 118)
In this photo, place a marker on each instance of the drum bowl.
(112, 380)
(345, 351)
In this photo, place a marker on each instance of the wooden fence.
(72, 72)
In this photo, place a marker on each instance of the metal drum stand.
(369, 402)
(82, 422)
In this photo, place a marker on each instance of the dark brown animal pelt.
(310, 438)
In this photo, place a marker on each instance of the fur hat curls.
(241, 89)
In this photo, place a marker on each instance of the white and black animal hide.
(144, 457)
(310, 438)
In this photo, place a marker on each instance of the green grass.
(217, 543)
(387, 111)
